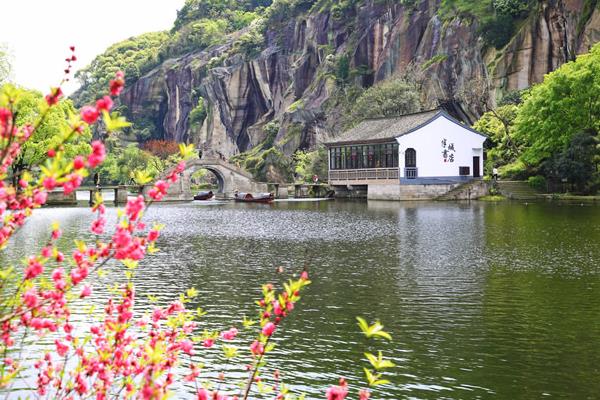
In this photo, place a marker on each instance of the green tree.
(309, 163)
(390, 98)
(134, 56)
(31, 105)
(122, 163)
(498, 126)
(577, 162)
(566, 103)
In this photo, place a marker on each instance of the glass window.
(410, 158)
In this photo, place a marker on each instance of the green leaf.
(374, 379)
(247, 322)
(230, 351)
(114, 122)
(378, 362)
(373, 331)
(187, 151)
(142, 177)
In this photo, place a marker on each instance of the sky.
(38, 33)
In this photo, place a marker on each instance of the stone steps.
(518, 190)
(466, 191)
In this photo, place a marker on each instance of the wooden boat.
(204, 195)
(258, 198)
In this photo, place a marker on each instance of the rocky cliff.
(290, 80)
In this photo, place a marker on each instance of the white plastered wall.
(427, 141)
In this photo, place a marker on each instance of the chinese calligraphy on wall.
(448, 151)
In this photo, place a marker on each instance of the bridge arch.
(214, 170)
(229, 177)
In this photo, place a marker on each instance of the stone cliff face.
(288, 81)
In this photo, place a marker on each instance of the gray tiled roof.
(382, 129)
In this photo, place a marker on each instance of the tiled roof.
(382, 129)
(387, 129)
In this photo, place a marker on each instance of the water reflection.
(482, 299)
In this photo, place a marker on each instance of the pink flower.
(187, 347)
(49, 183)
(40, 197)
(46, 252)
(30, 298)
(78, 162)
(208, 343)
(54, 96)
(159, 190)
(153, 235)
(116, 85)
(277, 308)
(34, 268)
(82, 386)
(134, 207)
(337, 393)
(364, 394)
(268, 329)
(5, 115)
(89, 114)
(98, 154)
(86, 291)
(257, 348)
(56, 234)
(61, 348)
(304, 276)
(51, 153)
(79, 274)
(58, 274)
(203, 394)
(230, 334)
(98, 226)
(104, 104)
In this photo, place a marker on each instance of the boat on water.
(254, 198)
(204, 195)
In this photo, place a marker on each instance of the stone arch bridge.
(229, 177)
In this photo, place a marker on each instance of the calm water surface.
(483, 300)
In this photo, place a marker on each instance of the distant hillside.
(274, 77)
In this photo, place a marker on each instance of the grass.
(495, 197)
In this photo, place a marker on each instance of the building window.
(464, 171)
(364, 156)
(410, 158)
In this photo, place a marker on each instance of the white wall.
(427, 141)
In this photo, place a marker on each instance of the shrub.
(199, 113)
(162, 149)
(538, 182)
(516, 170)
(390, 98)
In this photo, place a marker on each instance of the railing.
(411, 173)
(364, 174)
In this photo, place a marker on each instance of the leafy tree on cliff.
(566, 103)
(390, 98)
(135, 56)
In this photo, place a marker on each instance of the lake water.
(483, 300)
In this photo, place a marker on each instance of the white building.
(429, 150)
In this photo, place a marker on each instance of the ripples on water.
(482, 300)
